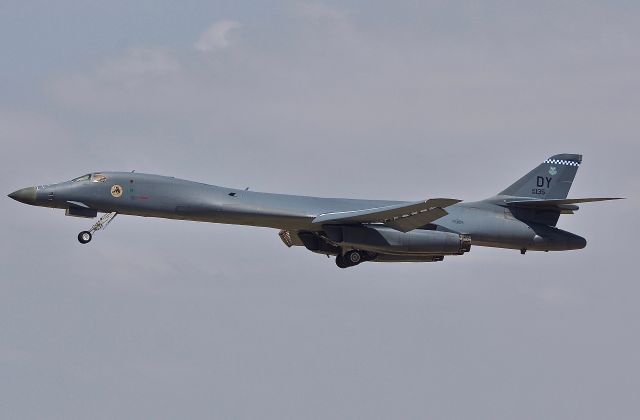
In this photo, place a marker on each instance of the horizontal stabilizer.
(560, 204)
(402, 217)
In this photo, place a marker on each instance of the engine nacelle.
(382, 239)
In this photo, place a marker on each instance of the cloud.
(327, 24)
(122, 82)
(216, 36)
(321, 12)
(139, 62)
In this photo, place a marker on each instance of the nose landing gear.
(85, 236)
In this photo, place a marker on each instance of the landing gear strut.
(85, 236)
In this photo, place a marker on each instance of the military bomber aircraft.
(521, 217)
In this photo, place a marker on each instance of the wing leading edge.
(401, 217)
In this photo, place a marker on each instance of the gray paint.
(494, 222)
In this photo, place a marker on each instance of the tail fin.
(550, 180)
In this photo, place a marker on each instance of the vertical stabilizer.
(552, 179)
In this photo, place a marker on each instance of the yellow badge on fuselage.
(116, 191)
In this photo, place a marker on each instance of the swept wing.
(401, 217)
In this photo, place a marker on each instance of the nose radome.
(25, 195)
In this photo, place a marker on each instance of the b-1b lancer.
(521, 217)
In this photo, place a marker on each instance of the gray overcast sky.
(163, 319)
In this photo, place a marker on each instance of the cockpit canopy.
(95, 177)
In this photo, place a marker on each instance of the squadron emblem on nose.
(116, 191)
(553, 170)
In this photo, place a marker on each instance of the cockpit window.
(82, 178)
(98, 178)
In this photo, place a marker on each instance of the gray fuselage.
(488, 222)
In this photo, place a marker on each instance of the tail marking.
(562, 162)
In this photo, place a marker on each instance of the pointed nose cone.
(25, 195)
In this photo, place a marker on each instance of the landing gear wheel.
(84, 237)
(349, 259)
(340, 262)
(353, 257)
